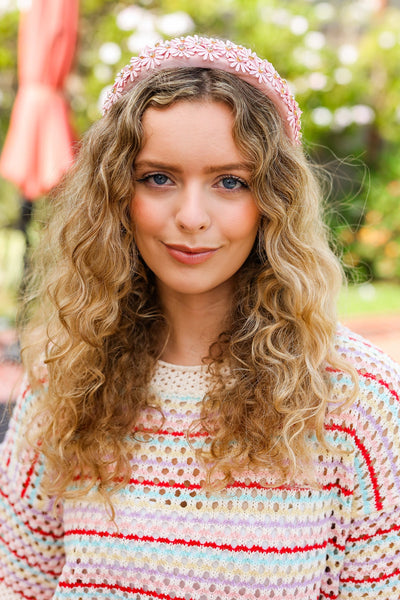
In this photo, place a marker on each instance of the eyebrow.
(211, 169)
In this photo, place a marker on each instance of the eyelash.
(237, 179)
(147, 178)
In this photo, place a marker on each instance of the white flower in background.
(147, 23)
(324, 11)
(348, 54)
(109, 53)
(308, 58)
(343, 117)
(175, 24)
(317, 81)
(298, 25)
(315, 40)
(280, 16)
(130, 18)
(358, 12)
(102, 72)
(363, 114)
(343, 75)
(387, 40)
(140, 39)
(322, 116)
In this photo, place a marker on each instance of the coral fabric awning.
(38, 147)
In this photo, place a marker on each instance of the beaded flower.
(196, 51)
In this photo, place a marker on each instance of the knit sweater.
(173, 540)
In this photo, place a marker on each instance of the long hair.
(94, 316)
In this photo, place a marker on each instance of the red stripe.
(365, 343)
(345, 491)
(331, 595)
(165, 484)
(381, 382)
(363, 450)
(236, 484)
(102, 534)
(25, 559)
(19, 513)
(371, 579)
(369, 536)
(29, 475)
(370, 376)
(25, 392)
(173, 433)
(153, 594)
(258, 486)
(198, 544)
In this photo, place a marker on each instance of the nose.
(192, 214)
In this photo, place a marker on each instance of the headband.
(210, 53)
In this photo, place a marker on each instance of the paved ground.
(384, 331)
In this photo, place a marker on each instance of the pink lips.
(190, 256)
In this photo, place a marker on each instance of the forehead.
(219, 113)
(191, 127)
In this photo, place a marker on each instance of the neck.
(195, 323)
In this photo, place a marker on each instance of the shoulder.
(365, 356)
(371, 423)
(16, 451)
(378, 375)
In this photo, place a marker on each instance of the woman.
(201, 427)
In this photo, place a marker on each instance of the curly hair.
(94, 313)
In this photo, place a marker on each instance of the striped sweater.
(172, 540)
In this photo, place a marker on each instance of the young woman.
(195, 425)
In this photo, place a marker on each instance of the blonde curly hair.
(93, 310)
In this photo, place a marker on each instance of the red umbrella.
(38, 147)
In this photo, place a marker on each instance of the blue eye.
(155, 180)
(232, 183)
(159, 178)
(229, 183)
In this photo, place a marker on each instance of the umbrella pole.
(25, 219)
(25, 216)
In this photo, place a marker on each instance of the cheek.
(137, 210)
(244, 223)
(145, 216)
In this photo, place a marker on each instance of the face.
(194, 215)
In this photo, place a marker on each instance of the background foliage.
(341, 58)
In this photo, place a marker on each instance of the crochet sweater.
(172, 540)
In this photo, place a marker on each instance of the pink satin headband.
(195, 51)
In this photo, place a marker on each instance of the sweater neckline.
(174, 367)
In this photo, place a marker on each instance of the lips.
(188, 255)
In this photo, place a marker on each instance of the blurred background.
(341, 59)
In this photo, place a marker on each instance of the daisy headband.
(210, 53)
